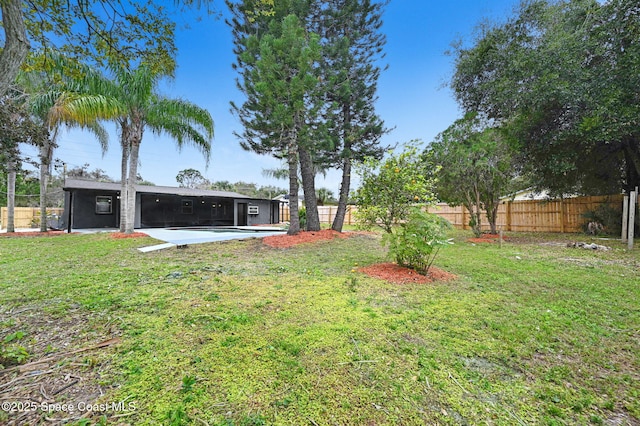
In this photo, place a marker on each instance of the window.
(187, 206)
(104, 204)
(254, 210)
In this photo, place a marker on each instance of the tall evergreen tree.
(276, 61)
(352, 49)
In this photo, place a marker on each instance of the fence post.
(632, 217)
(562, 216)
(625, 218)
(508, 218)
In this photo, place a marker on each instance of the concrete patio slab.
(178, 237)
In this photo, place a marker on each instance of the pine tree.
(352, 49)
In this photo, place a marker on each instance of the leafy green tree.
(16, 127)
(565, 76)
(26, 188)
(352, 44)
(192, 178)
(222, 185)
(392, 186)
(102, 32)
(275, 62)
(478, 167)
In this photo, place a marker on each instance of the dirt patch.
(286, 241)
(65, 365)
(32, 234)
(400, 275)
(120, 235)
(488, 238)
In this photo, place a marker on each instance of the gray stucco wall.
(265, 212)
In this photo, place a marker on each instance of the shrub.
(609, 217)
(416, 243)
(390, 188)
(302, 215)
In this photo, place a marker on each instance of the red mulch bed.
(286, 241)
(120, 235)
(487, 238)
(400, 275)
(32, 234)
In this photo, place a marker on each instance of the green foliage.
(565, 77)
(609, 217)
(390, 187)
(11, 352)
(17, 126)
(302, 213)
(478, 167)
(122, 33)
(416, 243)
(27, 188)
(192, 178)
(249, 188)
(177, 416)
(187, 383)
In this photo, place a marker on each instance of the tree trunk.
(134, 138)
(124, 167)
(294, 216)
(46, 154)
(16, 44)
(492, 214)
(131, 187)
(11, 195)
(632, 160)
(345, 187)
(309, 188)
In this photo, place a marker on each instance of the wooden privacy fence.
(534, 215)
(518, 216)
(326, 213)
(25, 217)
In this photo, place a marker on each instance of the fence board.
(518, 216)
(25, 217)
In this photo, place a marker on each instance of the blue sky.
(412, 96)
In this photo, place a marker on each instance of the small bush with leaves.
(416, 243)
(302, 214)
(10, 352)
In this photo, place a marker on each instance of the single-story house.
(90, 204)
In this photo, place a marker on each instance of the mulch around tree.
(387, 271)
(488, 238)
(287, 241)
(397, 274)
(32, 234)
(120, 235)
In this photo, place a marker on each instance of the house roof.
(71, 184)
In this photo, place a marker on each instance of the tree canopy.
(118, 32)
(565, 75)
(392, 186)
(478, 167)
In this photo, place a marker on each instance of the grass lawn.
(239, 333)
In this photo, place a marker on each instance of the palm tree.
(130, 99)
(142, 108)
(52, 107)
